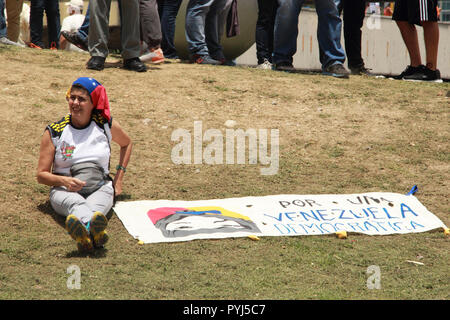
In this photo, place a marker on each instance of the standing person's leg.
(264, 30)
(431, 37)
(223, 15)
(130, 29)
(3, 29)
(411, 40)
(150, 31)
(286, 33)
(99, 28)
(168, 13)
(83, 31)
(425, 15)
(408, 32)
(36, 22)
(196, 13)
(214, 30)
(53, 22)
(150, 24)
(407, 14)
(429, 22)
(13, 10)
(354, 13)
(130, 36)
(329, 33)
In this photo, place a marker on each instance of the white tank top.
(72, 145)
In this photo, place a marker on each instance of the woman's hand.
(117, 188)
(73, 184)
(117, 183)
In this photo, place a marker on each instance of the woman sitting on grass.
(74, 160)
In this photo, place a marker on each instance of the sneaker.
(97, 227)
(225, 62)
(172, 56)
(96, 63)
(154, 57)
(284, 66)
(266, 65)
(75, 39)
(361, 70)
(134, 64)
(336, 70)
(228, 63)
(205, 59)
(425, 74)
(408, 71)
(79, 233)
(53, 46)
(4, 40)
(34, 46)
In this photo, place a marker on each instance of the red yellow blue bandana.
(97, 93)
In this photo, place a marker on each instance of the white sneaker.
(266, 65)
(154, 57)
(4, 40)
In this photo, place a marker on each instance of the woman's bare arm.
(124, 141)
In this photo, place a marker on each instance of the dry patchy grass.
(336, 136)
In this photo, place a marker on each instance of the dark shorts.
(415, 11)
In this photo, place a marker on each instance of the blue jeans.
(202, 27)
(328, 32)
(168, 11)
(83, 31)
(51, 8)
(2, 20)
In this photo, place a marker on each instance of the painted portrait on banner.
(180, 222)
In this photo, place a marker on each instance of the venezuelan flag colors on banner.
(278, 215)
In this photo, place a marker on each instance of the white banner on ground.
(152, 221)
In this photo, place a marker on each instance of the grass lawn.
(336, 136)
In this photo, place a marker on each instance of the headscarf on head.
(97, 93)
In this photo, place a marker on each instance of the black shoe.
(75, 39)
(225, 62)
(134, 64)
(284, 66)
(336, 70)
(96, 63)
(361, 70)
(425, 74)
(410, 70)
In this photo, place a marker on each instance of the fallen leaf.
(415, 262)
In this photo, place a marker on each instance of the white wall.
(383, 49)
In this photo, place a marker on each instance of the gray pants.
(99, 28)
(65, 202)
(150, 23)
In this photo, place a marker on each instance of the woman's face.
(80, 106)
